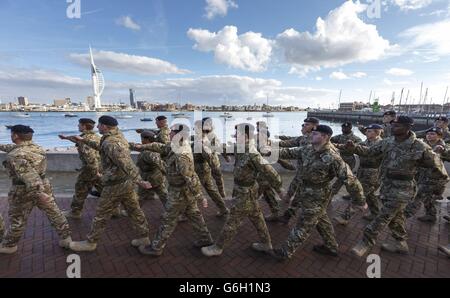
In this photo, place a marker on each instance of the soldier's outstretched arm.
(361, 150)
(289, 153)
(155, 147)
(289, 143)
(26, 173)
(8, 147)
(353, 186)
(432, 160)
(286, 164)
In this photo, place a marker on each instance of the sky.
(214, 52)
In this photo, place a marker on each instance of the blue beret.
(374, 126)
(436, 130)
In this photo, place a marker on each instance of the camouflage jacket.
(319, 168)
(179, 166)
(296, 142)
(116, 163)
(342, 139)
(90, 158)
(400, 161)
(370, 162)
(152, 167)
(250, 165)
(430, 175)
(26, 165)
(163, 135)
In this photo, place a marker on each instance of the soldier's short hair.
(24, 132)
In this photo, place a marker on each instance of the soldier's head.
(309, 124)
(86, 124)
(21, 133)
(441, 122)
(148, 137)
(161, 121)
(389, 116)
(347, 128)
(321, 135)
(401, 126)
(244, 132)
(106, 124)
(373, 131)
(434, 134)
(179, 132)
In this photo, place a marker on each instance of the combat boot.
(400, 247)
(262, 247)
(445, 249)
(140, 242)
(83, 246)
(340, 220)
(324, 250)
(8, 250)
(150, 251)
(65, 243)
(427, 218)
(72, 214)
(280, 254)
(447, 218)
(361, 248)
(212, 251)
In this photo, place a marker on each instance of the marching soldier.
(319, 164)
(401, 156)
(89, 174)
(430, 183)
(368, 176)
(163, 131)
(119, 178)
(248, 165)
(184, 191)
(152, 169)
(26, 164)
(206, 163)
(388, 117)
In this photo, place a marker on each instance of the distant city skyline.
(296, 52)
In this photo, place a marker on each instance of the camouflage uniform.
(399, 165)
(247, 166)
(430, 188)
(163, 135)
(318, 169)
(88, 176)
(152, 169)
(216, 170)
(204, 163)
(386, 130)
(184, 192)
(26, 164)
(119, 178)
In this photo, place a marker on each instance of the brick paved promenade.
(39, 255)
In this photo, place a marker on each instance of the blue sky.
(241, 52)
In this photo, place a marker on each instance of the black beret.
(324, 129)
(436, 130)
(148, 134)
(390, 113)
(311, 120)
(374, 126)
(108, 120)
(347, 124)
(21, 129)
(442, 118)
(86, 121)
(160, 118)
(404, 120)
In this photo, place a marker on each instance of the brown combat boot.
(400, 247)
(140, 242)
(83, 246)
(361, 248)
(8, 250)
(340, 220)
(150, 251)
(262, 247)
(212, 251)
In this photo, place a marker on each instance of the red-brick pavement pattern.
(40, 256)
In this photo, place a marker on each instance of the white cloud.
(127, 22)
(399, 72)
(429, 40)
(218, 8)
(125, 63)
(319, 78)
(341, 38)
(406, 5)
(359, 75)
(248, 51)
(339, 75)
(40, 78)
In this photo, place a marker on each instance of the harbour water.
(47, 126)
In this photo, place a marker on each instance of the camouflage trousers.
(110, 198)
(149, 194)
(395, 196)
(2, 228)
(180, 201)
(270, 196)
(206, 178)
(84, 184)
(216, 173)
(245, 205)
(20, 206)
(427, 194)
(313, 204)
(337, 185)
